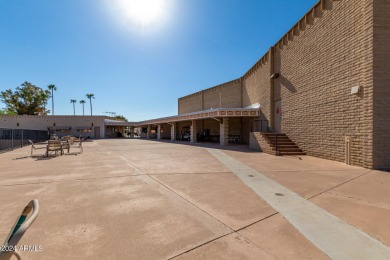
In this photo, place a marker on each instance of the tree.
(27, 99)
(74, 108)
(82, 102)
(52, 88)
(4, 112)
(121, 117)
(90, 97)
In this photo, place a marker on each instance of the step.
(271, 134)
(292, 153)
(281, 143)
(287, 149)
(279, 138)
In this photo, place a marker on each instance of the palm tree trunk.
(52, 102)
(90, 103)
(83, 108)
(74, 110)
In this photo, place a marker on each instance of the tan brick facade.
(337, 45)
(227, 95)
(317, 69)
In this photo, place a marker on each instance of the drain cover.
(279, 194)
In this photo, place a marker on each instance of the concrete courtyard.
(139, 199)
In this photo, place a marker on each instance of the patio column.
(158, 132)
(132, 131)
(224, 131)
(193, 132)
(148, 132)
(173, 132)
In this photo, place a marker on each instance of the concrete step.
(292, 153)
(285, 146)
(287, 149)
(288, 142)
(272, 134)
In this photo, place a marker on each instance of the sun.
(144, 12)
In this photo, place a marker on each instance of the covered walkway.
(223, 125)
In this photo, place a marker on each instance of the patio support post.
(193, 132)
(131, 131)
(173, 132)
(148, 132)
(224, 131)
(159, 132)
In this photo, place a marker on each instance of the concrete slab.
(232, 246)
(103, 203)
(310, 183)
(373, 219)
(223, 196)
(281, 240)
(333, 236)
(131, 216)
(174, 158)
(373, 187)
(263, 162)
(68, 167)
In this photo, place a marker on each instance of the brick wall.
(337, 45)
(227, 95)
(318, 66)
(190, 103)
(381, 95)
(256, 86)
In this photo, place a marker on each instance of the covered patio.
(222, 125)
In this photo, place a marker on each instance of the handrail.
(276, 143)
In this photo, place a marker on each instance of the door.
(278, 116)
(97, 132)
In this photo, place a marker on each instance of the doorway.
(96, 132)
(278, 116)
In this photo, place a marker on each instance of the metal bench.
(33, 147)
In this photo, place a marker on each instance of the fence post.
(21, 146)
(12, 139)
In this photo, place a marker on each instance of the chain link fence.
(16, 138)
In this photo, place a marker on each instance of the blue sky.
(94, 46)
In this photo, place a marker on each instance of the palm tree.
(90, 97)
(74, 109)
(82, 102)
(52, 88)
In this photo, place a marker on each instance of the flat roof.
(204, 114)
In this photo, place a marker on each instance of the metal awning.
(83, 128)
(59, 128)
(205, 114)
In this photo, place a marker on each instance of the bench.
(54, 146)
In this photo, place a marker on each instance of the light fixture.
(355, 90)
(274, 76)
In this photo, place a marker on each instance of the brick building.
(325, 85)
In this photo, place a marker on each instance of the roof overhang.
(205, 114)
(118, 123)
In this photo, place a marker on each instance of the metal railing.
(259, 125)
(16, 138)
